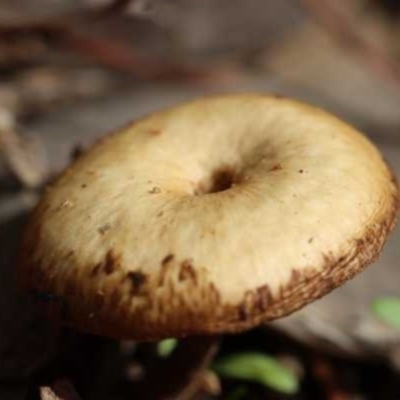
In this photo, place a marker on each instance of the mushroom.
(209, 218)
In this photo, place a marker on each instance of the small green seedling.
(258, 368)
(387, 309)
(166, 347)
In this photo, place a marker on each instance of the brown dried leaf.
(20, 160)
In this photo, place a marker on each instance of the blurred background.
(73, 70)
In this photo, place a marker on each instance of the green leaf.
(258, 368)
(166, 347)
(387, 309)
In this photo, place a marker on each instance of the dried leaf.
(20, 159)
(60, 390)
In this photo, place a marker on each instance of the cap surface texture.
(209, 217)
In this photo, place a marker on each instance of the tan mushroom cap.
(209, 217)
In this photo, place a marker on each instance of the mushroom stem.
(178, 376)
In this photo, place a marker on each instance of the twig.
(62, 21)
(116, 6)
(327, 376)
(179, 376)
(119, 56)
(64, 32)
(60, 390)
(338, 23)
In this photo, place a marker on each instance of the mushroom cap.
(210, 217)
